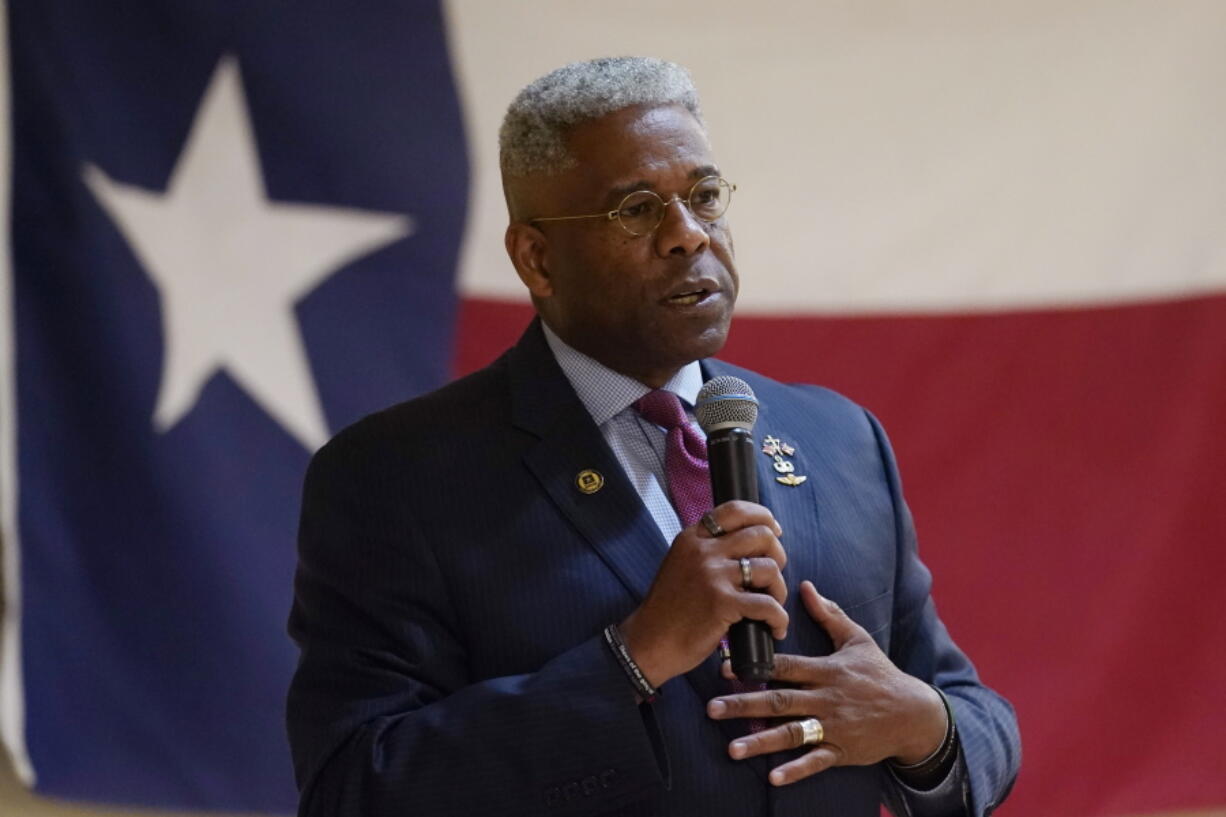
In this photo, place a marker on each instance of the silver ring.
(746, 573)
(713, 528)
(811, 732)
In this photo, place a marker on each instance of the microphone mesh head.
(726, 402)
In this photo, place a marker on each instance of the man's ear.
(526, 247)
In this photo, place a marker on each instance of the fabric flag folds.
(222, 215)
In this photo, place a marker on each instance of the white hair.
(533, 134)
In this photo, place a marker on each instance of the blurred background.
(235, 227)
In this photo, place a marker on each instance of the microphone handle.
(730, 453)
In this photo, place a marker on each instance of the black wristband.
(930, 771)
(613, 637)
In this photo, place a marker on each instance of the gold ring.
(713, 528)
(746, 573)
(811, 732)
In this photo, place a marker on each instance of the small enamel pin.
(589, 481)
(777, 450)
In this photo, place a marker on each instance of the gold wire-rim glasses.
(626, 211)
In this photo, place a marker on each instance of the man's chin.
(712, 340)
(706, 344)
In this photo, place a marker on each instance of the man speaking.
(512, 592)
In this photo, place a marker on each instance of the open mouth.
(689, 298)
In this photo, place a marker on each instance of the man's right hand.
(697, 593)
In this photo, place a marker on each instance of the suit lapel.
(794, 506)
(612, 519)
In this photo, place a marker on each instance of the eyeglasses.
(641, 212)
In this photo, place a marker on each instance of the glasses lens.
(641, 212)
(710, 197)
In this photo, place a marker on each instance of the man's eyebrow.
(622, 190)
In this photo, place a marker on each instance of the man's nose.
(680, 232)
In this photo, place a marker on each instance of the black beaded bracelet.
(932, 770)
(613, 637)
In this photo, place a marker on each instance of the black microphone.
(727, 410)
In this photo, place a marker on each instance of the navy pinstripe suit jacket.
(453, 584)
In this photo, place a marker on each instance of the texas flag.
(234, 228)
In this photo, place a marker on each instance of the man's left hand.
(869, 709)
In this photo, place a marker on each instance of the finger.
(780, 738)
(825, 612)
(761, 607)
(725, 669)
(764, 575)
(811, 671)
(808, 671)
(737, 514)
(756, 540)
(768, 703)
(818, 760)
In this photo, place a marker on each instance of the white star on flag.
(230, 265)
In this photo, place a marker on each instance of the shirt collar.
(606, 393)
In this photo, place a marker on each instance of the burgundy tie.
(688, 477)
(685, 455)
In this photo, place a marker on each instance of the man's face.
(641, 305)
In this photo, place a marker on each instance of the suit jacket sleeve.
(921, 646)
(383, 716)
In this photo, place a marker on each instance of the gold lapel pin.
(589, 481)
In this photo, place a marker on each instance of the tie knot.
(663, 408)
